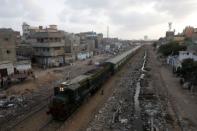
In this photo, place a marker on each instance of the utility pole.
(107, 31)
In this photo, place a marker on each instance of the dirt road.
(182, 104)
(37, 91)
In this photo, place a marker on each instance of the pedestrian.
(1, 82)
(102, 91)
(9, 80)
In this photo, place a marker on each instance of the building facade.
(72, 43)
(7, 45)
(8, 41)
(176, 61)
(188, 31)
(49, 48)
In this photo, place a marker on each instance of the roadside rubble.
(15, 107)
(118, 111)
(11, 101)
(153, 113)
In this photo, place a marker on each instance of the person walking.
(2, 82)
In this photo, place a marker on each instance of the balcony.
(51, 44)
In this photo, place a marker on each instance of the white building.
(6, 68)
(24, 65)
(175, 61)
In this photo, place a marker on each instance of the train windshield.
(60, 99)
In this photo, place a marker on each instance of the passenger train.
(69, 95)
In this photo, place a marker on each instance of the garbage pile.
(153, 112)
(117, 113)
(11, 101)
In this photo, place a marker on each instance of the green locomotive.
(70, 95)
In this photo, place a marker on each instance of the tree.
(154, 44)
(172, 48)
(189, 71)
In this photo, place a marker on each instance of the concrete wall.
(7, 45)
(23, 65)
(84, 55)
(50, 61)
(185, 55)
(8, 66)
(48, 51)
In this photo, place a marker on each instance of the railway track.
(51, 125)
(48, 125)
(41, 106)
(39, 101)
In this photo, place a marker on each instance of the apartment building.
(8, 40)
(48, 48)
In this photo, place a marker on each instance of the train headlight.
(61, 88)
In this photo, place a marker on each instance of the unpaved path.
(182, 104)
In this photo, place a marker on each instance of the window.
(8, 51)
(41, 40)
(57, 48)
(6, 39)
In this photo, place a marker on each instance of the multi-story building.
(72, 43)
(48, 45)
(89, 42)
(8, 41)
(179, 38)
(169, 35)
(48, 48)
(24, 52)
(176, 61)
(194, 36)
(188, 31)
(30, 30)
(98, 40)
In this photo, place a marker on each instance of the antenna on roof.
(170, 26)
(107, 31)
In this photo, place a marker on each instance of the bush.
(189, 71)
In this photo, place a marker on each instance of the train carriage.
(69, 95)
(118, 61)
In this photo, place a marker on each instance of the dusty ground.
(182, 104)
(36, 92)
(49, 75)
(80, 119)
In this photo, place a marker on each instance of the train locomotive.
(69, 95)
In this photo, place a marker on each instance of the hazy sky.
(130, 19)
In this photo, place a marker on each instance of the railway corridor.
(84, 114)
(84, 118)
(113, 106)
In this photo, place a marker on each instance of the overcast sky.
(128, 19)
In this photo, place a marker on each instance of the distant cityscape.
(47, 47)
